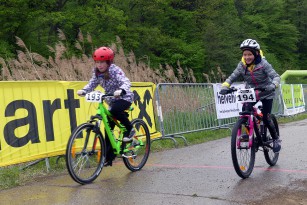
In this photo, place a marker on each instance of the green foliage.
(277, 65)
(202, 35)
(264, 21)
(296, 80)
(6, 49)
(220, 26)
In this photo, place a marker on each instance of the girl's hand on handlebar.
(81, 93)
(118, 93)
(226, 90)
(271, 87)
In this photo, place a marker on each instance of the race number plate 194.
(246, 95)
(93, 96)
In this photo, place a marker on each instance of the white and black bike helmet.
(250, 44)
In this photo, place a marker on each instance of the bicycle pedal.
(127, 157)
(267, 144)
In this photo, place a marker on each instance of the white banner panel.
(226, 105)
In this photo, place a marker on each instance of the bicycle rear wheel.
(85, 153)
(243, 158)
(270, 156)
(137, 152)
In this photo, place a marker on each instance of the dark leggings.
(118, 111)
(266, 111)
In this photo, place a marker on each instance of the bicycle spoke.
(80, 164)
(85, 153)
(270, 156)
(243, 157)
(137, 152)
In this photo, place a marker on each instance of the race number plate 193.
(246, 95)
(93, 97)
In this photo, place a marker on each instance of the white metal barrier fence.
(190, 107)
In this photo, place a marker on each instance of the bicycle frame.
(254, 126)
(104, 113)
(252, 122)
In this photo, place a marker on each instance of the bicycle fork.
(95, 130)
(249, 130)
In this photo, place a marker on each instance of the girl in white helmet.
(257, 73)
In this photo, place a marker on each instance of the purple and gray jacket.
(117, 81)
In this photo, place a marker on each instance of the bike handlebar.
(97, 96)
(233, 89)
(108, 95)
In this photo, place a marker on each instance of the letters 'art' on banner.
(37, 118)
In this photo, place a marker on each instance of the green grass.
(293, 118)
(21, 174)
(192, 138)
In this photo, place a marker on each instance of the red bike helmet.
(103, 54)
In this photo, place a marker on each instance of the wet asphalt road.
(198, 174)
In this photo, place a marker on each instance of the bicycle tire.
(243, 159)
(137, 152)
(84, 160)
(270, 156)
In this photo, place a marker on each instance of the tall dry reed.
(29, 65)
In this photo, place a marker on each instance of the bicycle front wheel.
(137, 152)
(243, 157)
(85, 153)
(270, 156)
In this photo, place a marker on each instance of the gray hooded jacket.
(262, 76)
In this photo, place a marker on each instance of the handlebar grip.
(108, 95)
(227, 91)
(260, 89)
(224, 92)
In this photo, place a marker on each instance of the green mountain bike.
(86, 147)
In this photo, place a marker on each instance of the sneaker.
(244, 138)
(129, 138)
(107, 163)
(276, 145)
(244, 141)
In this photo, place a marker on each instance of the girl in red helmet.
(113, 80)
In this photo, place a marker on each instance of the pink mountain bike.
(250, 135)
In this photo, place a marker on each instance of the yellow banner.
(37, 117)
(293, 98)
(298, 95)
(286, 90)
